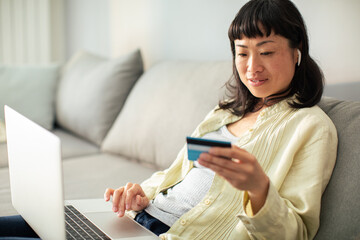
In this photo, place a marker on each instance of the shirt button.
(163, 237)
(250, 130)
(207, 202)
(183, 222)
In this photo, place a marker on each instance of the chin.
(259, 95)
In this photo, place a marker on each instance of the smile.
(257, 82)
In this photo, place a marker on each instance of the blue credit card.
(196, 146)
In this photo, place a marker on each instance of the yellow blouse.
(296, 149)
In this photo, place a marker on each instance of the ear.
(299, 57)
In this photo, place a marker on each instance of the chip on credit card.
(196, 146)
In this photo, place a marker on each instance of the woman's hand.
(130, 197)
(241, 170)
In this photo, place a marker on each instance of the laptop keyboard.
(79, 227)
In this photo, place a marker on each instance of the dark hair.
(262, 17)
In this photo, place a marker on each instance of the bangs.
(255, 20)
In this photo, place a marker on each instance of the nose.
(254, 65)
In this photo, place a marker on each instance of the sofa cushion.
(343, 91)
(3, 155)
(3, 150)
(2, 132)
(73, 146)
(92, 92)
(30, 90)
(6, 207)
(88, 177)
(340, 211)
(184, 91)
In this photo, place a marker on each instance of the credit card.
(196, 146)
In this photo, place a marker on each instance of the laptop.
(36, 182)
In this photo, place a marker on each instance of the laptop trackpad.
(120, 228)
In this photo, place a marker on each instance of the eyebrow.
(258, 44)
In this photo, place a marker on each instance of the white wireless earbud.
(299, 57)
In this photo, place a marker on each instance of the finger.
(215, 167)
(231, 176)
(130, 194)
(235, 176)
(116, 198)
(141, 202)
(122, 206)
(244, 176)
(108, 193)
(232, 153)
(212, 161)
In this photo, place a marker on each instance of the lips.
(257, 82)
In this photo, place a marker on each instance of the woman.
(268, 185)
(283, 151)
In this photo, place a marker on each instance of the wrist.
(258, 196)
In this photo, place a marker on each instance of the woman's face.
(266, 65)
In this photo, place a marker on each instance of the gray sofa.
(146, 126)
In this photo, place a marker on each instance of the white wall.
(87, 24)
(164, 29)
(197, 29)
(334, 30)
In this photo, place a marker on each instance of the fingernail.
(127, 207)
(115, 209)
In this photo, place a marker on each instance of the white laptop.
(36, 181)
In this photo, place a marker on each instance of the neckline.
(275, 108)
(224, 129)
(262, 116)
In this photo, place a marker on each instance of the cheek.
(282, 70)
(240, 67)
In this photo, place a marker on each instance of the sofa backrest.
(343, 91)
(166, 105)
(340, 211)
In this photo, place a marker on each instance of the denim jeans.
(15, 228)
(151, 223)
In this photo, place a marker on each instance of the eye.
(242, 54)
(266, 53)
